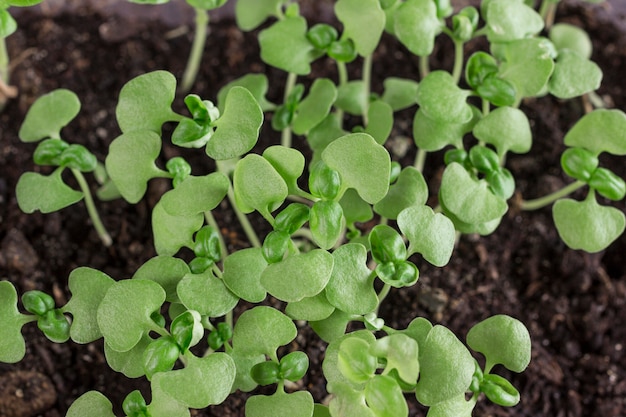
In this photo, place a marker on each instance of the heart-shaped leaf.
(506, 128)
(145, 102)
(262, 330)
(315, 107)
(363, 21)
(251, 13)
(310, 308)
(362, 163)
(166, 271)
(173, 232)
(409, 190)
(216, 373)
(574, 75)
(416, 25)
(129, 363)
(288, 162)
(238, 126)
(379, 121)
(430, 234)
(352, 97)
(44, 193)
(206, 294)
(12, 345)
(257, 84)
(242, 274)
(296, 404)
(354, 208)
(510, 20)
(586, 224)
(601, 130)
(401, 353)
(298, 276)
(196, 195)
(88, 287)
(503, 340)
(163, 405)
(350, 287)
(348, 401)
(528, 65)
(91, 403)
(432, 135)
(400, 93)
(48, 115)
(284, 45)
(565, 36)
(332, 327)
(442, 100)
(124, 314)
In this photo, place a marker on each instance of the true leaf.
(48, 115)
(442, 100)
(206, 294)
(262, 330)
(238, 126)
(173, 232)
(284, 45)
(510, 20)
(574, 75)
(399, 93)
(409, 190)
(251, 13)
(88, 287)
(244, 364)
(298, 276)
(430, 234)
(315, 106)
(166, 271)
(506, 128)
(362, 163)
(330, 366)
(131, 163)
(586, 224)
(296, 404)
(216, 371)
(91, 403)
(355, 361)
(416, 25)
(325, 221)
(44, 193)
(12, 345)
(124, 317)
(363, 22)
(601, 130)
(145, 102)
(196, 195)
(350, 286)
(503, 340)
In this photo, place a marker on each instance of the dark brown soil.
(573, 303)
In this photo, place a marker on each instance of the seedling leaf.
(257, 84)
(262, 330)
(206, 294)
(385, 398)
(284, 45)
(258, 186)
(44, 193)
(574, 75)
(380, 121)
(510, 20)
(401, 353)
(416, 25)
(310, 308)
(351, 97)
(432, 135)
(251, 13)
(430, 234)
(173, 232)
(242, 274)
(165, 271)
(506, 128)
(296, 404)
(48, 115)
(600, 131)
(12, 345)
(442, 100)
(363, 21)
(528, 65)
(238, 127)
(288, 162)
(8, 25)
(409, 190)
(456, 406)
(399, 93)
(129, 363)
(196, 195)
(565, 36)
(91, 403)
(316, 106)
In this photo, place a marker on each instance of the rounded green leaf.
(216, 373)
(506, 128)
(362, 163)
(315, 106)
(574, 75)
(48, 115)
(265, 373)
(124, 314)
(238, 127)
(145, 102)
(296, 404)
(399, 93)
(242, 274)
(196, 195)
(129, 363)
(446, 367)
(12, 345)
(262, 330)
(457, 406)
(131, 162)
(257, 84)
(8, 25)
(502, 340)
(608, 184)
(416, 25)
(355, 361)
(401, 353)
(433, 135)
(570, 37)
(166, 271)
(325, 221)
(298, 276)
(284, 45)
(528, 65)
(499, 390)
(363, 22)
(288, 162)
(442, 100)
(91, 403)
(258, 186)
(354, 208)
(352, 98)
(509, 20)
(348, 401)
(385, 398)
(251, 13)
(310, 308)
(160, 356)
(409, 190)
(379, 121)
(206, 294)
(88, 287)
(579, 163)
(350, 288)
(601, 130)
(586, 224)
(244, 364)
(173, 232)
(430, 234)
(44, 193)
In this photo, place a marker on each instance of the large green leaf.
(284, 45)
(416, 25)
(296, 404)
(363, 21)
(48, 115)
(238, 126)
(12, 345)
(574, 75)
(166, 271)
(362, 163)
(409, 190)
(442, 100)
(507, 128)
(242, 274)
(91, 403)
(206, 294)
(196, 195)
(298, 276)
(601, 130)
(528, 65)
(173, 232)
(44, 193)
(315, 106)
(262, 330)
(508, 20)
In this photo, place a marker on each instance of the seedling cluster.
(178, 323)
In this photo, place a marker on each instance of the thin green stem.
(424, 66)
(538, 203)
(243, 220)
(420, 159)
(383, 292)
(486, 107)
(458, 60)
(286, 134)
(548, 12)
(91, 208)
(367, 81)
(197, 49)
(342, 72)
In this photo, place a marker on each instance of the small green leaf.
(284, 45)
(608, 184)
(528, 65)
(258, 186)
(163, 405)
(91, 403)
(206, 294)
(160, 356)
(579, 163)
(129, 363)
(296, 404)
(310, 308)
(355, 361)
(173, 232)
(145, 102)
(123, 317)
(416, 25)
(432, 135)
(385, 398)
(265, 373)
(586, 224)
(251, 13)
(323, 134)
(12, 345)
(354, 208)
(298, 276)
(330, 366)
(44, 193)
(238, 126)
(332, 327)
(499, 390)
(325, 221)
(316, 106)
(574, 75)
(348, 401)
(386, 244)
(352, 98)
(216, 372)
(510, 20)
(131, 163)
(601, 130)
(363, 22)
(196, 195)
(262, 330)
(503, 340)
(244, 364)
(362, 163)
(242, 274)
(257, 84)
(399, 93)
(88, 287)
(430, 234)
(442, 100)
(401, 354)
(166, 271)
(380, 121)
(566, 36)
(507, 128)
(409, 190)
(48, 115)
(288, 162)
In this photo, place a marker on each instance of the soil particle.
(25, 394)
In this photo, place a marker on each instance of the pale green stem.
(424, 66)
(383, 292)
(91, 208)
(342, 72)
(420, 160)
(367, 81)
(211, 221)
(538, 203)
(197, 49)
(548, 11)
(458, 60)
(486, 107)
(243, 220)
(286, 133)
